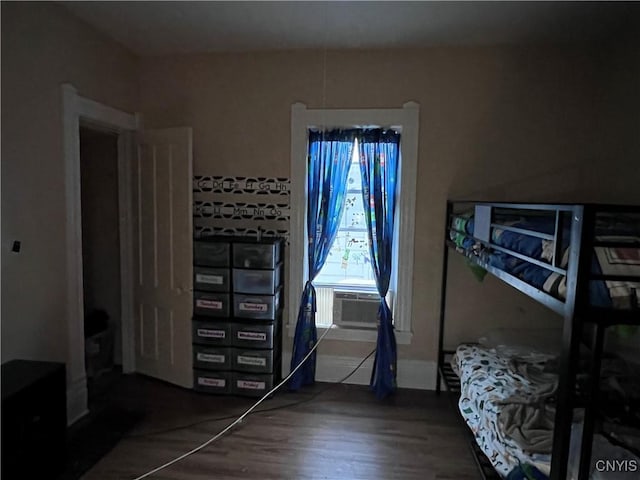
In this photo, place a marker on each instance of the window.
(346, 287)
(347, 269)
(348, 262)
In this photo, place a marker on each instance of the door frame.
(76, 110)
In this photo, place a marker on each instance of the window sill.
(357, 334)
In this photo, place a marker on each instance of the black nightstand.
(34, 419)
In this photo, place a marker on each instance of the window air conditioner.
(355, 309)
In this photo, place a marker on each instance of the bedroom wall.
(495, 123)
(42, 47)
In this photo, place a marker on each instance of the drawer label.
(255, 361)
(209, 304)
(253, 307)
(209, 279)
(203, 332)
(212, 382)
(210, 357)
(254, 336)
(251, 385)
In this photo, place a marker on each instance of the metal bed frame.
(580, 319)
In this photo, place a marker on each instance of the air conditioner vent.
(356, 309)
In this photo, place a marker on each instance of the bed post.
(571, 333)
(443, 297)
(597, 342)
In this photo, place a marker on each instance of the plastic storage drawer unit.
(256, 255)
(253, 336)
(254, 361)
(212, 253)
(211, 279)
(211, 304)
(252, 384)
(209, 333)
(257, 281)
(260, 307)
(211, 358)
(212, 382)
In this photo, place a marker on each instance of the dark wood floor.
(333, 432)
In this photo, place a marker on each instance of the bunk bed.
(548, 410)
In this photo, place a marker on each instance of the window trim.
(404, 119)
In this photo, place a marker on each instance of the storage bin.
(211, 304)
(212, 382)
(211, 279)
(253, 361)
(257, 281)
(253, 335)
(252, 384)
(256, 255)
(210, 333)
(212, 358)
(261, 307)
(214, 252)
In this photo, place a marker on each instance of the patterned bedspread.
(505, 401)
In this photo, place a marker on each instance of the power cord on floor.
(270, 409)
(245, 414)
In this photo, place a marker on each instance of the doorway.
(100, 261)
(79, 111)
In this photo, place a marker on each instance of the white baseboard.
(419, 374)
(76, 400)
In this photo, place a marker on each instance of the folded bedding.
(619, 260)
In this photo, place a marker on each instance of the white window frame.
(404, 119)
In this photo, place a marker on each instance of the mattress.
(507, 400)
(493, 390)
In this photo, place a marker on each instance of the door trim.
(74, 110)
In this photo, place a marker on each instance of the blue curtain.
(379, 157)
(328, 165)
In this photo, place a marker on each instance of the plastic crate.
(252, 384)
(253, 335)
(211, 279)
(212, 358)
(211, 333)
(260, 307)
(257, 281)
(212, 382)
(253, 361)
(212, 252)
(211, 304)
(256, 255)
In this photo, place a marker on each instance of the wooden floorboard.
(337, 432)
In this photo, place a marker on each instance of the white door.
(163, 258)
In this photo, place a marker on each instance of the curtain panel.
(379, 152)
(328, 161)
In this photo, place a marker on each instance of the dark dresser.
(34, 419)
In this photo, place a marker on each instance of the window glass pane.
(349, 262)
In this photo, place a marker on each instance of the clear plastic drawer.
(256, 255)
(211, 279)
(257, 281)
(211, 304)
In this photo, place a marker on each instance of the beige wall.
(42, 47)
(492, 121)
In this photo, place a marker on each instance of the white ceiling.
(157, 28)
